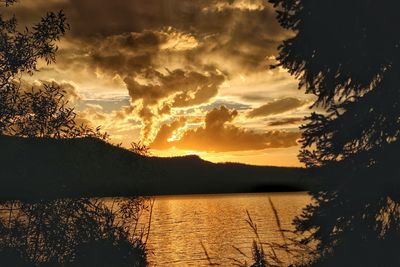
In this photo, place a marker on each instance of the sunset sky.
(184, 76)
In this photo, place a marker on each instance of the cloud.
(254, 97)
(69, 89)
(276, 107)
(165, 132)
(169, 55)
(228, 104)
(120, 124)
(285, 121)
(174, 89)
(235, 4)
(132, 53)
(137, 59)
(242, 33)
(147, 117)
(187, 88)
(219, 135)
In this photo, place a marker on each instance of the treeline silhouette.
(84, 167)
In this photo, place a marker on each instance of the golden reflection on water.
(180, 224)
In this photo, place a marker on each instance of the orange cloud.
(165, 132)
(174, 89)
(219, 135)
(276, 107)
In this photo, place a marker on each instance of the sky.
(182, 76)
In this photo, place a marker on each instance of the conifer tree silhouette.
(347, 54)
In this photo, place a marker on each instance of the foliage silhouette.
(140, 149)
(53, 232)
(346, 53)
(19, 53)
(72, 232)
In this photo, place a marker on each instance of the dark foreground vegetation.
(72, 232)
(346, 54)
(60, 231)
(84, 167)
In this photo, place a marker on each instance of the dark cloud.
(220, 136)
(258, 97)
(125, 54)
(187, 88)
(227, 104)
(285, 121)
(246, 32)
(147, 116)
(276, 107)
(90, 18)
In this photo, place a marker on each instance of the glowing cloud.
(276, 107)
(219, 135)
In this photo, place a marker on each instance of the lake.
(181, 224)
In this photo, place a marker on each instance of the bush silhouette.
(108, 253)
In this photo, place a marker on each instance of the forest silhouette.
(90, 167)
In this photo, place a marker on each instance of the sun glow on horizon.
(277, 157)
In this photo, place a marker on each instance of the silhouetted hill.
(41, 167)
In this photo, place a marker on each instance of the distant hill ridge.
(89, 167)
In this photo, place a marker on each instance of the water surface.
(181, 224)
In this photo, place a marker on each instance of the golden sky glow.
(184, 76)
